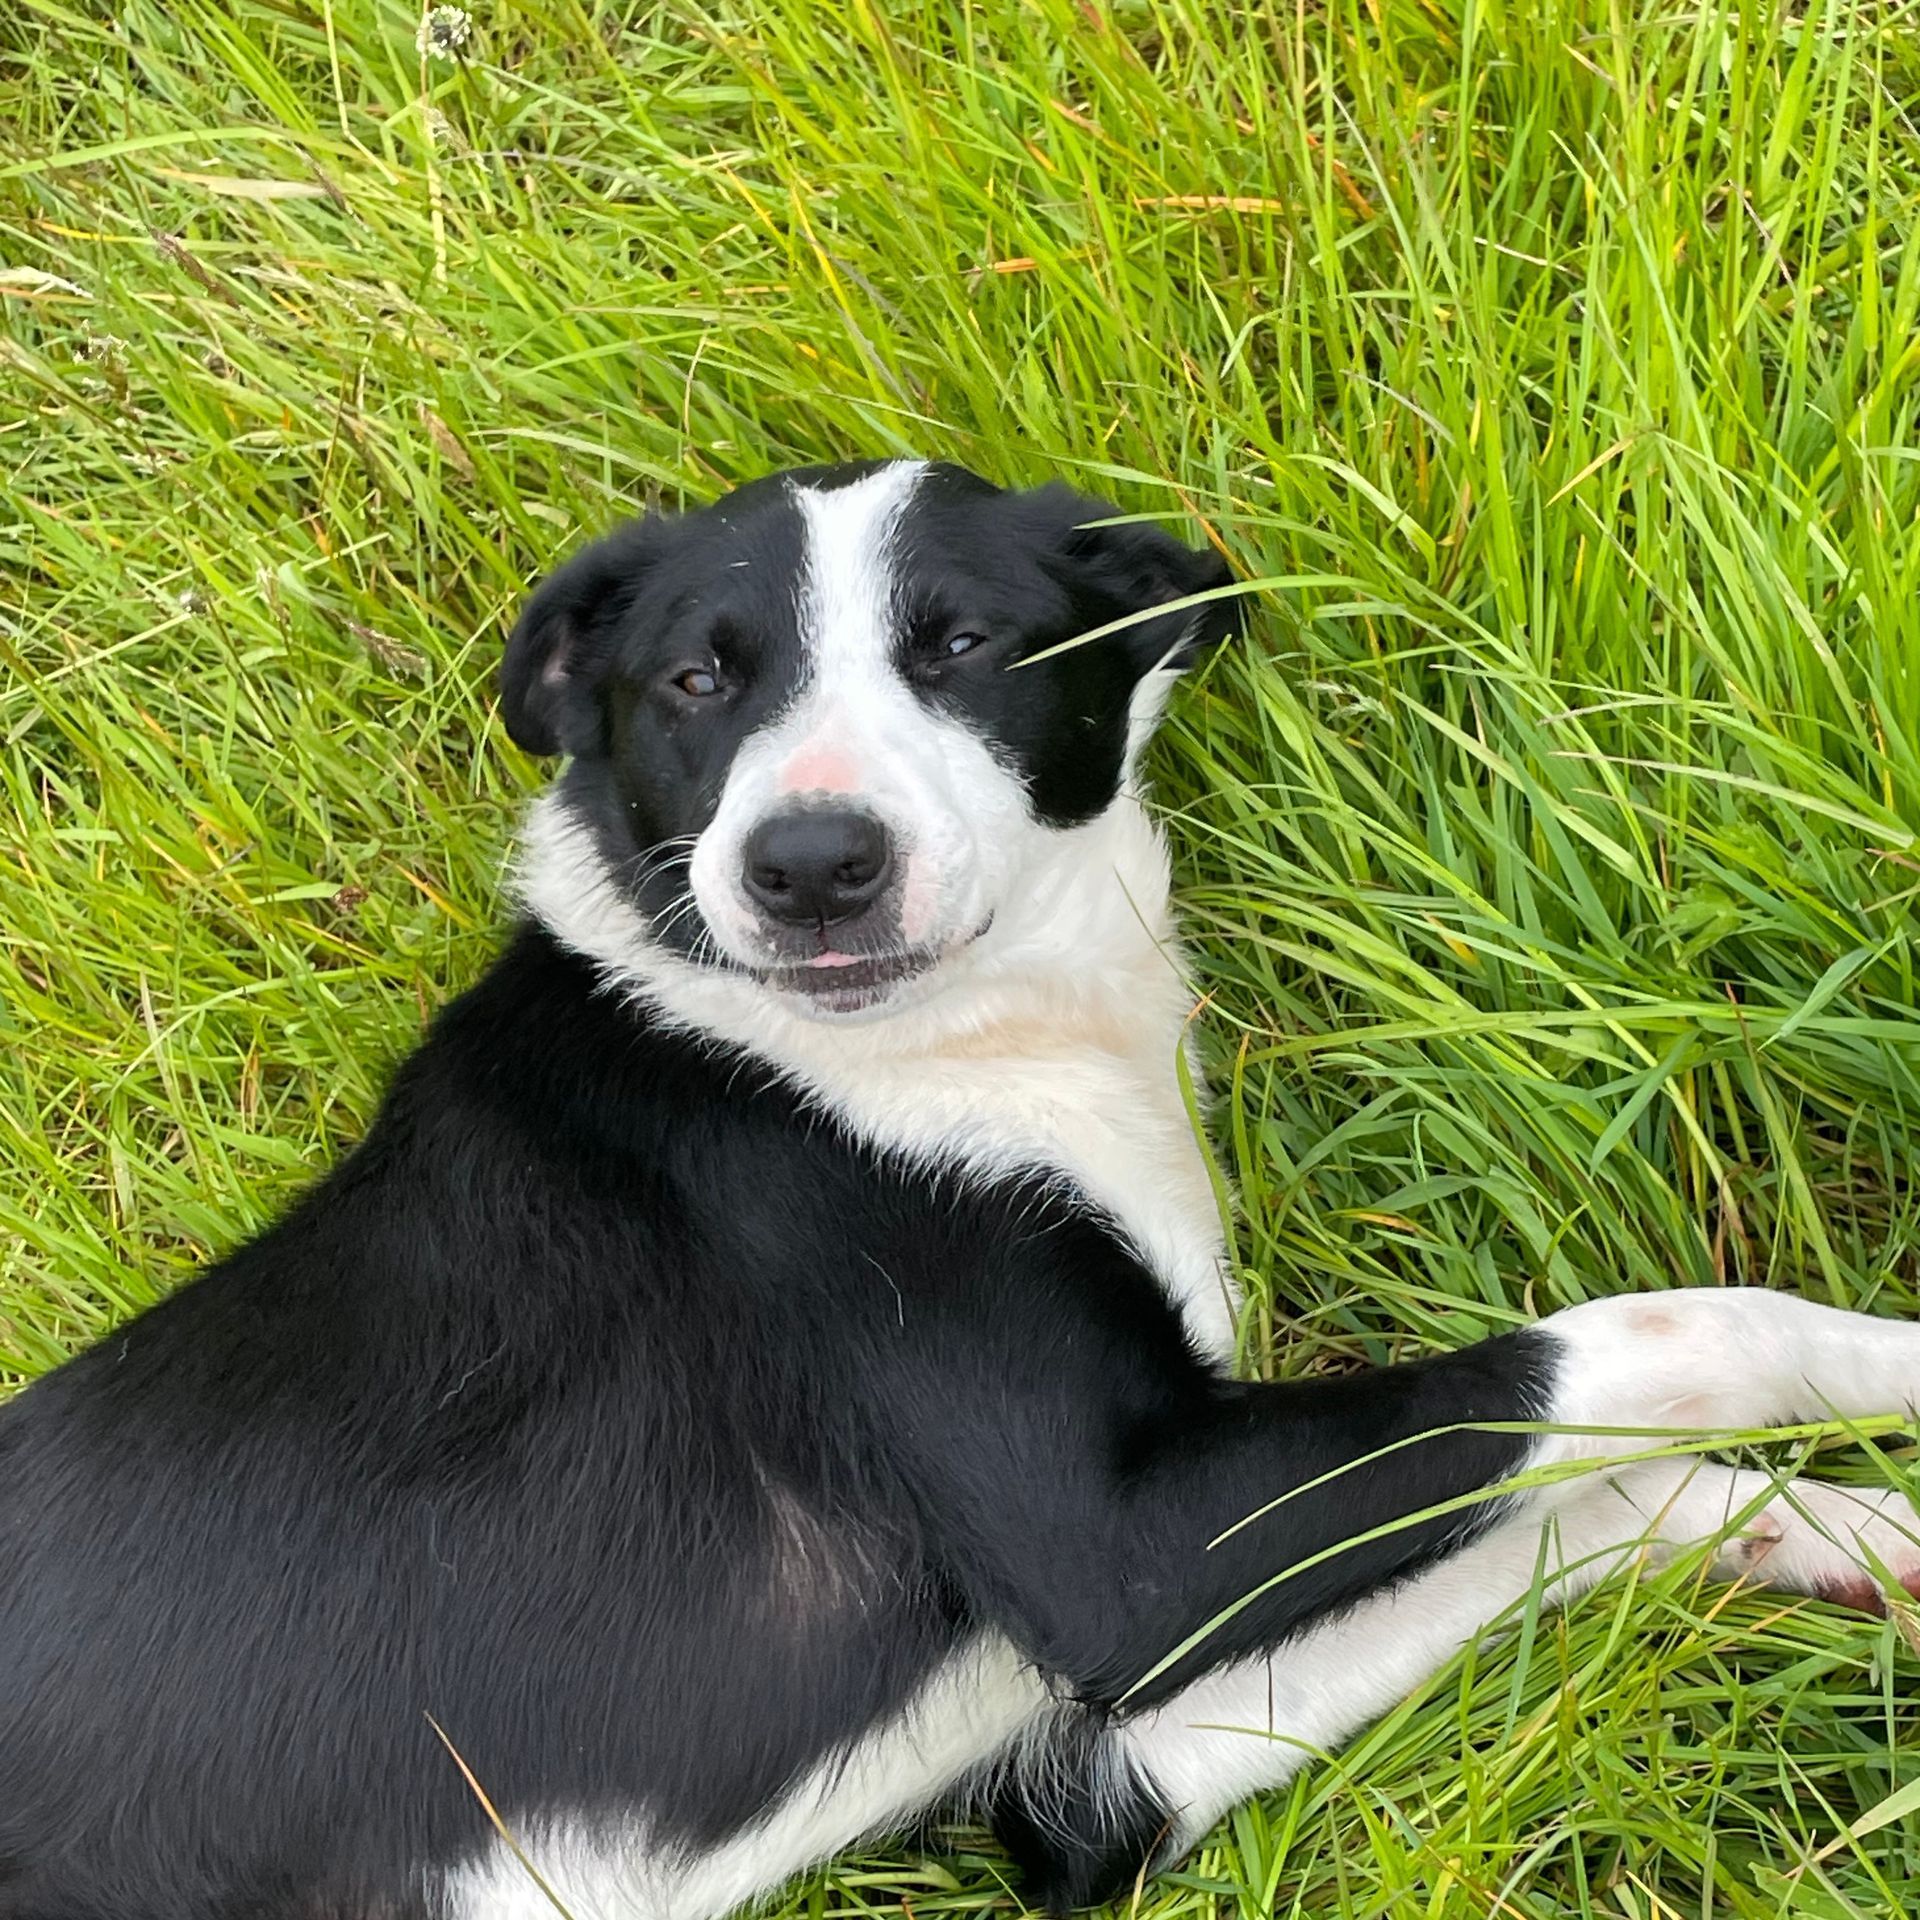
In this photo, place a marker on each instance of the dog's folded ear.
(565, 640)
(1139, 567)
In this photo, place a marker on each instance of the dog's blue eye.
(697, 682)
(960, 643)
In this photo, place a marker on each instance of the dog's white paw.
(1839, 1543)
(1847, 1544)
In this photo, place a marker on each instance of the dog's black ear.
(564, 641)
(1141, 567)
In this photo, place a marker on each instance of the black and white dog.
(765, 1374)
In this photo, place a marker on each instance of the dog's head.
(820, 729)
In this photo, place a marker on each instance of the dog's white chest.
(1113, 1124)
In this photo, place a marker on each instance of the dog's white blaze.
(846, 592)
(616, 1870)
(858, 733)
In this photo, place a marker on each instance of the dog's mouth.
(832, 981)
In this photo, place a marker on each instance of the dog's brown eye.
(697, 682)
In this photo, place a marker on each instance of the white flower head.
(444, 32)
(100, 349)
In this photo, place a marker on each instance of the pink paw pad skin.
(1863, 1594)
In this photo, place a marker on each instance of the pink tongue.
(834, 960)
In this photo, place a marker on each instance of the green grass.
(1552, 849)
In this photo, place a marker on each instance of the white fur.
(971, 1709)
(1701, 1358)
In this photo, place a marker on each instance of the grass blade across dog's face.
(805, 742)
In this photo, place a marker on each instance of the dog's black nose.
(816, 866)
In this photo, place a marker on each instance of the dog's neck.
(1080, 957)
(1052, 1045)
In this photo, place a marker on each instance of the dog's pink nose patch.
(818, 770)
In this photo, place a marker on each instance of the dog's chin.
(840, 986)
(872, 984)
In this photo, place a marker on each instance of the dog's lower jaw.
(869, 985)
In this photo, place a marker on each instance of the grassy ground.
(1553, 849)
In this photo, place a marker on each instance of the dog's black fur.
(653, 1439)
(487, 1429)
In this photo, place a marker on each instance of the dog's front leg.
(1245, 1728)
(1359, 1630)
